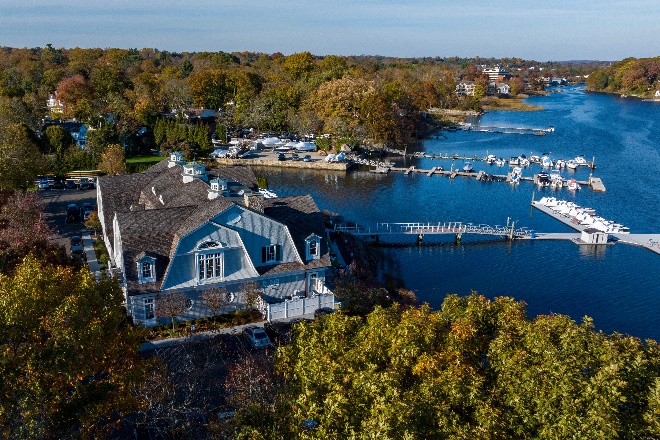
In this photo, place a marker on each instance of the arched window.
(210, 262)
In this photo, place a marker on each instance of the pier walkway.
(431, 228)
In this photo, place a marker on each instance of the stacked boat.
(267, 194)
(583, 216)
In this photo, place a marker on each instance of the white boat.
(500, 162)
(380, 170)
(491, 159)
(580, 160)
(306, 146)
(560, 163)
(573, 185)
(514, 161)
(546, 162)
(468, 168)
(534, 159)
(571, 164)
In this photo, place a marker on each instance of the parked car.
(76, 245)
(72, 213)
(281, 157)
(87, 209)
(43, 184)
(307, 158)
(84, 183)
(70, 184)
(58, 184)
(256, 337)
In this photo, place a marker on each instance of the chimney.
(254, 202)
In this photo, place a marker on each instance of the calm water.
(618, 286)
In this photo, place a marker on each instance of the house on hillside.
(180, 227)
(465, 88)
(77, 130)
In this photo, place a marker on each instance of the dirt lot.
(57, 201)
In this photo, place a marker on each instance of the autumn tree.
(476, 368)
(171, 305)
(215, 298)
(112, 160)
(299, 65)
(93, 221)
(251, 294)
(517, 85)
(20, 159)
(68, 358)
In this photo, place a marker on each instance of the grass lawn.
(146, 160)
(513, 104)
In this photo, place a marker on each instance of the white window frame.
(149, 304)
(271, 253)
(210, 266)
(317, 248)
(141, 269)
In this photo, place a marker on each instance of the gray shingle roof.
(303, 218)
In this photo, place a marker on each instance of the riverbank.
(517, 104)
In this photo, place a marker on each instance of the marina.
(616, 285)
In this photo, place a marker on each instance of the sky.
(534, 30)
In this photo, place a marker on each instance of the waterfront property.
(178, 227)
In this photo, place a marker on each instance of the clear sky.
(540, 30)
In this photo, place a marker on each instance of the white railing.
(433, 228)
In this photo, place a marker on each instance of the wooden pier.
(595, 183)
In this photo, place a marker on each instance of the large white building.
(495, 73)
(180, 227)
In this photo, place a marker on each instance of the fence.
(299, 306)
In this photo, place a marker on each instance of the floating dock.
(650, 242)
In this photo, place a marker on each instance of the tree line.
(630, 76)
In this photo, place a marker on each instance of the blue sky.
(539, 30)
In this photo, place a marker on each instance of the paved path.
(236, 330)
(94, 266)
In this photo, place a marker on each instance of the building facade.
(180, 227)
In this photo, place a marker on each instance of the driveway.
(56, 202)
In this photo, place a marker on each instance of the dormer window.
(271, 254)
(146, 267)
(313, 247)
(210, 262)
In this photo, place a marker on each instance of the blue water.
(618, 286)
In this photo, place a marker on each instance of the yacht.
(546, 162)
(573, 185)
(500, 162)
(571, 164)
(580, 160)
(468, 168)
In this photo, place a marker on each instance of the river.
(618, 286)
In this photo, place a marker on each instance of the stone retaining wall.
(318, 165)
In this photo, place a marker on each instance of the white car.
(219, 153)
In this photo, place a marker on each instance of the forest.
(638, 77)
(127, 96)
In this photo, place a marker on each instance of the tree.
(57, 139)
(93, 221)
(112, 160)
(474, 369)
(20, 159)
(251, 293)
(215, 298)
(299, 65)
(517, 85)
(68, 359)
(171, 305)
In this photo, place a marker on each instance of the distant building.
(465, 88)
(54, 105)
(496, 73)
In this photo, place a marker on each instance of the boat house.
(593, 236)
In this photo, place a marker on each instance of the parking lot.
(56, 202)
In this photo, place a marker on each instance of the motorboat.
(580, 160)
(380, 170)
(491, 159)
(571, 164)
(523, 161)
(500, 162)
(534, 159)
(573, 185)
(468, 168)
(514, 161)
(306, 146)
(560, 163)
(546, 162)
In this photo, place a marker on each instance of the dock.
(650, 242)
(594, 182)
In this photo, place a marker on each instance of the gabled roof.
(303, 218)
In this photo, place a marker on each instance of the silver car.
(256, 337)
